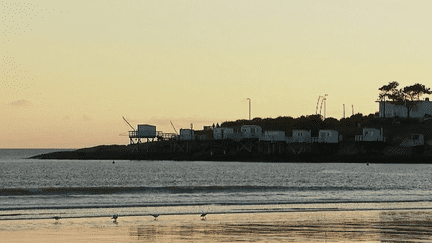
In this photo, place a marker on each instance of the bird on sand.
(56, 217)
(115, 217)
(155, 216)
(203, 216)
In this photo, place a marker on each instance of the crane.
(133, 135)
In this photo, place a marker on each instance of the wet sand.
(328, 226)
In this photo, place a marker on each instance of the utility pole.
(343, 110)
(249, 108)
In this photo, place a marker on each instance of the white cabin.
(222, 132)
(370, 134)
(187, 134)
(251, 131)
(300, 136)
(146, 131)
(414, 140)
(327, 136)
(272, 136)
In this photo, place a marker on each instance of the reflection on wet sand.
(319, 226)
(406, 225)
(360, 226)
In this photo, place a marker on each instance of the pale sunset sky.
(71, 69)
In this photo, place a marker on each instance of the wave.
(146, 210)
(169, 190)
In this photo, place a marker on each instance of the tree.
(408, 96)
(331, 123)
(411, 96)
(414, 92)
(390, 91)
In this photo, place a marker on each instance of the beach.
(320, 226)
(250, 202)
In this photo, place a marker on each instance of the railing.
(272, 138)
(362, 138)
(134, 134)
(168, 136)
(412, 143)
(299, 140)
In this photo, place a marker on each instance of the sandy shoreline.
(349, 226)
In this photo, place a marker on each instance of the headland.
(383, 141)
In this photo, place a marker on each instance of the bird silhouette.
(56, 217)
(155, 216)
(203, 216)
(115, 217)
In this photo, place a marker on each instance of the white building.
(327, 136)
(251, 131)
(187, 134)
(388, 109)
(222, 132)
(414, 140)
(300, 136)
(272, 136)
(370, 134)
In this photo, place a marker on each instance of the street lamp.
(249, 108)
(325, 110)
(323, 101)
(316, 111)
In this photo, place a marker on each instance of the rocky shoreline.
(217, 151)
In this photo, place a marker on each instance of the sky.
(70, 70)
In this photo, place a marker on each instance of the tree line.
(407, 96)
(309, 122)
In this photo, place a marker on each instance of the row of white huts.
(298, 136)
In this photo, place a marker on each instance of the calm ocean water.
(76, 188)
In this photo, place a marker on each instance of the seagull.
(56, 217)
(115, 217)
(155, 216)
(203, 216)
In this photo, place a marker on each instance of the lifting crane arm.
(174, 128)
(129, 124)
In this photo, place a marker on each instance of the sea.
(42, 189)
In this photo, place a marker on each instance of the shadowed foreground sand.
(338, 226)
